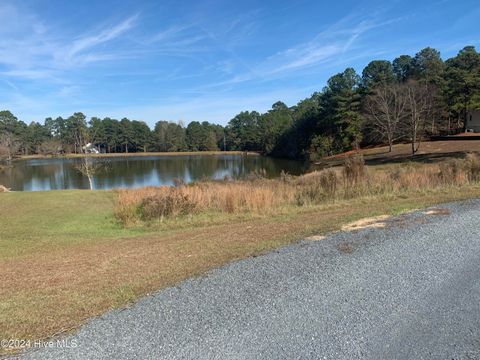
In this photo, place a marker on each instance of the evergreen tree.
(462, 88)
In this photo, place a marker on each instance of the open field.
(429, 152)
(181, 153)
(65, 256)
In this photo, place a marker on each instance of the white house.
(473, 121)
(90, 149)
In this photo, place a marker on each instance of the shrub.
(472, 167)
(127, 202)
(309, 194)
(354, 169)
(449, 171)
(316, 187)
(321, 146)
(328, 182)
(178, 182)
(165, 204)
(354, 175)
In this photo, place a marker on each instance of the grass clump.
(230, 197)
(315, 188)
(166, 203)
(450, 171)
(472, 167)
(354, 171)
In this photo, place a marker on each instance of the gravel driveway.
(410, 290)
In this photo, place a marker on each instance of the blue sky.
(204, 60)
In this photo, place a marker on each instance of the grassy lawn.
(64, 258)
(37, 222)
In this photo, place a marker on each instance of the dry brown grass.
(472, 166)
(262, 195)
(57, 288)
(228, 197)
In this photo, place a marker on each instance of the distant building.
(90, 149)
(473, 121)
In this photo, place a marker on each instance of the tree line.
(404, 100)
(407, 99)
(72, 134)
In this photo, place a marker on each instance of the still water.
(138, 171)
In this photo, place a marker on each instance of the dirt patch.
(346, 248)
(438, 212)
(373, 222)
(421, 220)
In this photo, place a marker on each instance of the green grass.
(40, 221)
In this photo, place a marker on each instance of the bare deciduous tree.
(51, 147)
(419, 104)
(89, 167)
(8, 146)
(385, 108)
(397, 111)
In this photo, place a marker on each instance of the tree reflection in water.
(137, 171)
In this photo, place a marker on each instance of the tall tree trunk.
(90, 181)
(414, 137)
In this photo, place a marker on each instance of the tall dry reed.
(260, 195)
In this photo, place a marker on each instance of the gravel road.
(410, 290)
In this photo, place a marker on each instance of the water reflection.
(138, 171)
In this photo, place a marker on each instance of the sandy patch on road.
(373, 222)
(437, 211)
(315, 238)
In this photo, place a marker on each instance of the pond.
(139, 171)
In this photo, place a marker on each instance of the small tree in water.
(89, 167)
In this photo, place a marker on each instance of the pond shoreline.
(132, 154)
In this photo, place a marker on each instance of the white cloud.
(106, 34)
(326, 46)
(29, 49)
(329, 46)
